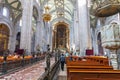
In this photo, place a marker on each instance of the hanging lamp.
(46, 15)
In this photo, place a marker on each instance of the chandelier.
(46, 15)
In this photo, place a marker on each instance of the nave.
(35, 33)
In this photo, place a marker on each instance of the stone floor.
(62, 74)
(29, 73)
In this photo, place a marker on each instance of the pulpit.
(110, 35)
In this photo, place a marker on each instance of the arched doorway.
(100, 48)
(61, 36)
(4, 37)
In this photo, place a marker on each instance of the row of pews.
(90, 68)
(14, 62)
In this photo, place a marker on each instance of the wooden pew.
(91, 63)
(97, 59)
(88, 68)
(81, 75)
(100, 59)
(100, 79)
(79, 63)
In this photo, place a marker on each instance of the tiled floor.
(30, 73)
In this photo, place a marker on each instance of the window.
(5, 12)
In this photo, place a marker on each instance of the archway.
(61, 36)
(100, 48)
(4, 37)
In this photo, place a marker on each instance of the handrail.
(53, 70)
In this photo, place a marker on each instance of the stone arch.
(4, 20)
(56, 20)
(35, 13)
(36, 5)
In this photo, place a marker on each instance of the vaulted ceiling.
(60, 9)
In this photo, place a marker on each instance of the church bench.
(88, 68)
(95, 60)
(75, 58)
(105, 74)
(100, 79)
(99, 59)
(79, 63)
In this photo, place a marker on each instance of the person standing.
(66, 54)
(62, 60)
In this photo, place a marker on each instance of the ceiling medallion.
(46, 15)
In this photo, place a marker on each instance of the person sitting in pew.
(71, 58)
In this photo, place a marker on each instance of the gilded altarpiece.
(4, 37)
(61, 37)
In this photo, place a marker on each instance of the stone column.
(38, 35)
(70, 37)
(51, 37)
(94, 42)
(0, 1)
(55, 35)
(14, 36)
(73, 36)
(84, 26)
(76, 31)
(48, 33)
(26, 28)
(45, 36)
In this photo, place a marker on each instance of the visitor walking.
(62, 60)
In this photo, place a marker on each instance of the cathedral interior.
(34, 34)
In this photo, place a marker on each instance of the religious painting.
(61, 36)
